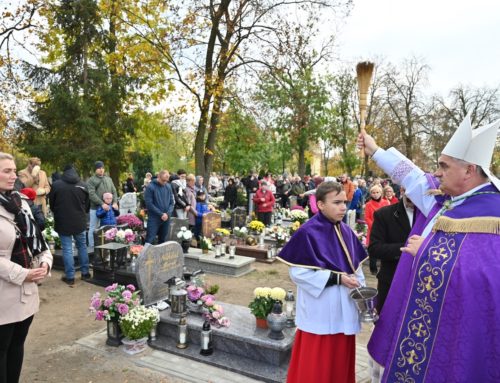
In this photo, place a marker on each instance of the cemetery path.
(51, 351)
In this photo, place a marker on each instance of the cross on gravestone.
(128, 203)
(238, 217)
(155, 265)
(209, 223)
(175, 227)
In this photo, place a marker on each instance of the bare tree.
(403, 96)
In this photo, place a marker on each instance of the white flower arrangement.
(240, 231)
(298, 215)
(139, 322)
(185, 234)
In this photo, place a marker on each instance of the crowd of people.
(436, 299)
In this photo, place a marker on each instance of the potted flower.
(240, 233)
(131, 220)
(185, 236)
(51, 237)
(262, 304)
(256, 226)
(206, 244)
(118, 301)
(298, 215)
(136, 326)
(194, 294)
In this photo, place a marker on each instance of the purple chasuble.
(317, 245)
(447, 328)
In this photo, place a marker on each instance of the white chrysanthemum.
(257, 292)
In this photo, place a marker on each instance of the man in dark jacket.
(390, 230)
(160, 203)
(69, 201)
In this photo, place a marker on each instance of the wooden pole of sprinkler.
(364, 72)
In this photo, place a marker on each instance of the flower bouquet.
(119, 300)
(214, 312)
(205, 244)
(256, 226)
(135, 250)
(122, 236)
(132, 221)
(298, 216)
(294, 227)
(264, 299)
(223, 232)
(51, 237)
(240, 231)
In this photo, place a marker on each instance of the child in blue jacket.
(202, 207)
(107, 217)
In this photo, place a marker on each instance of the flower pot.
(194, 307)
(134, 346)
(185, 246)
(204, 251)
(261, 323)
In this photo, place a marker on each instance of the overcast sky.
(459, 40)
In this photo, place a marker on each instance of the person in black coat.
(390, 230)
(69, 201)
(230, 194)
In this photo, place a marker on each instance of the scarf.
(29, 238)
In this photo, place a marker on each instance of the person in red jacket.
(264, 202)
(389, 195)
(376, 202)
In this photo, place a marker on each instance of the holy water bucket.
(364, 298)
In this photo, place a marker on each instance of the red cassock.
(322, 358)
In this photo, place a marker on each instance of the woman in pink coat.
(19, 272)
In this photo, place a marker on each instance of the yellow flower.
(257, 292)
(266, 291)
(277, 293)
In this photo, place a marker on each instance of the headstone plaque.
(175, 227)
(209, 223)
(155, 265)
(128, 203)
(351, 219)
(238, 217)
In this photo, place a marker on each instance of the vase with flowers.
(136, 326)
(185, 235)
(256, 227)
(126, 236)
(119, 300)
(205, 244)
(263, 302)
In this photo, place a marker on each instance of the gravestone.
(238, 217)
(351, 219)
(128, 203)
(209, 223)
(155, 265)
(175, 227)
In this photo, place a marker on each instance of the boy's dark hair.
(328, 187)
(181, 171)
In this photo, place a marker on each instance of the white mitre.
(475, 146)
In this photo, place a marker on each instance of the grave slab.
(237, 267)
(241, 347)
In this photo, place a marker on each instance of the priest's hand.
(414, 243)
(367, 143)
(349, 281)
